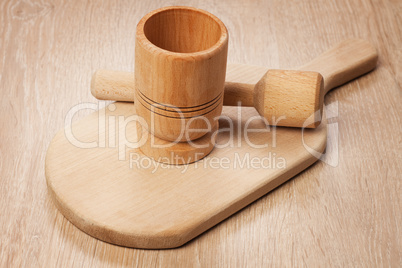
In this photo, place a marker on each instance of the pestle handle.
(236, 93)
(113, 85)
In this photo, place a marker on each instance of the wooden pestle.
(294, 94)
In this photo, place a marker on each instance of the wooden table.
(347, 215)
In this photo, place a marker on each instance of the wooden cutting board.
(136, 204)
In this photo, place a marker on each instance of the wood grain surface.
(116, 194)
(347, 215)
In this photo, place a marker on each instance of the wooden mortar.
(180, 59)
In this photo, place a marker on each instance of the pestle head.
(289, 98)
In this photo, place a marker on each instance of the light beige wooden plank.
(344, 216)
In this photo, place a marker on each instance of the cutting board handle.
(345, 61)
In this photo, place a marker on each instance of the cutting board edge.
(176, 236)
